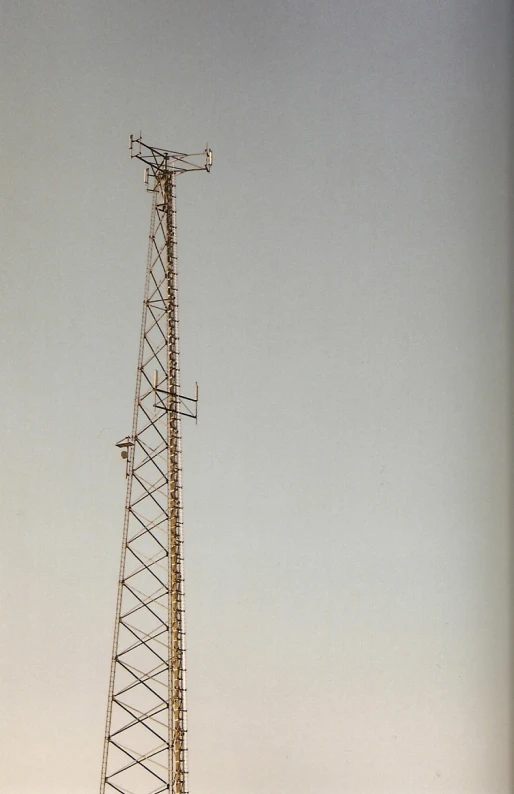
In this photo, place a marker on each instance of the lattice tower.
(145, 750)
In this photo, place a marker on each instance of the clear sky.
(344, 307)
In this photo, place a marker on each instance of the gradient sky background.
(344, 307)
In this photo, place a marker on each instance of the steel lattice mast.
(145, 749)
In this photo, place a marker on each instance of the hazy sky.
(344, 306)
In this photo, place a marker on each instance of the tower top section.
(163, 161)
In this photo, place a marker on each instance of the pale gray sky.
(344, 306)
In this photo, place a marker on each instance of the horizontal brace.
(180, 396)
